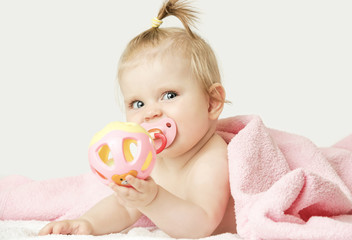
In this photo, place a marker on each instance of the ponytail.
(181, 10)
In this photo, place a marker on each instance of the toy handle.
(163, 142)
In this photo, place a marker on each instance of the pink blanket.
(284, 186)
(24, 199)
(55, 199)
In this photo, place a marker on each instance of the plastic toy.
(125, 148)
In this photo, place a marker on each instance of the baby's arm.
(186, 218)
(109, 216)
(202, 210)
(199, 211)
(105, 217)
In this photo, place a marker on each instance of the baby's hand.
(141, 194)
(78, 226)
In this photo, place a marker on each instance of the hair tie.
(156, 22)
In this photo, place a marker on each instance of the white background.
(288, 61)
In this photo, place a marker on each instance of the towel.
(284, 186)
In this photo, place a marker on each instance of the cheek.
(132, 118)
(129, 117)
(194, 117)
(193, 125)
(188, 135)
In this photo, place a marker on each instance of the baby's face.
(165, 88)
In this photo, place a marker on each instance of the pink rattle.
(125, 148)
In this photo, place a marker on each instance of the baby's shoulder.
(216, 146)
(213, 156)
(210, 167)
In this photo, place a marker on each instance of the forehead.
(164, 52)
(154, 77)
(155, 65)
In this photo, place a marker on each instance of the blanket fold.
(284, 186)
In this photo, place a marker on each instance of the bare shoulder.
(214, 153)
(210, 164)
(216, 145)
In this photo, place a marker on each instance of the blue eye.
(137, 104)
(169, 95)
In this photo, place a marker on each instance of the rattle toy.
(126, 148)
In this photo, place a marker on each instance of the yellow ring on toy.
(122, 126)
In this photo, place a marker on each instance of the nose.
(152, 112)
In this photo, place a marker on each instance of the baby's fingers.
(135, 183)
(47, 229)
(63, 227)
(54, 228)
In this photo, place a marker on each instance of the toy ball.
(121, 149)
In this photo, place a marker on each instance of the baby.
(170, 72)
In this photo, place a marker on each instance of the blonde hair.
(203, 62)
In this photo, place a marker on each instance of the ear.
(216, 100)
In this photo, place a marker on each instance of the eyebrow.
(132, 99)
